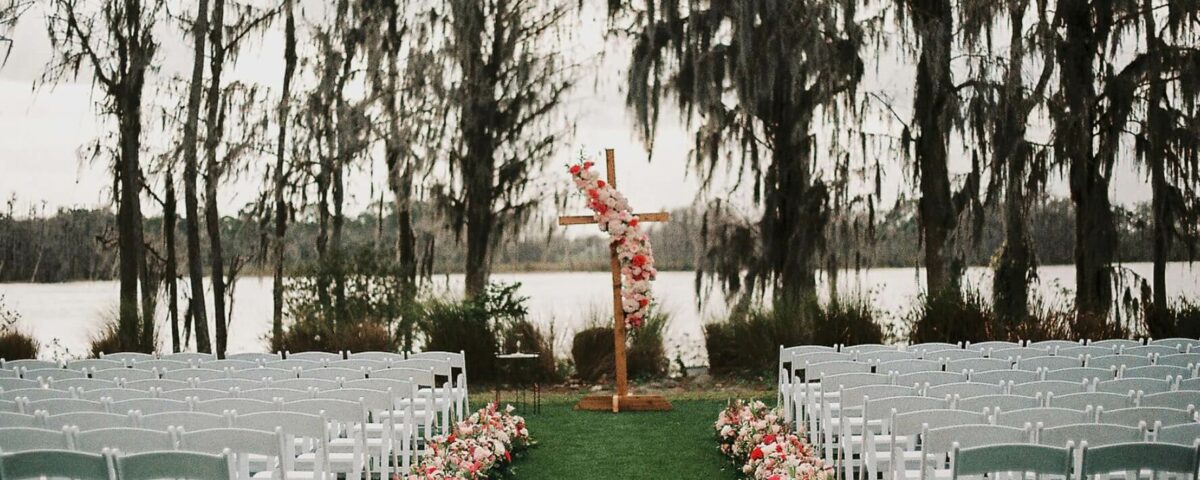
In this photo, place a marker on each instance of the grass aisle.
(595, 445)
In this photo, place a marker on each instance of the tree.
(212, 177)
(197, 310)
(279, 236)
(507, 65)
(759, 76)
(117, 41)
(10, 12)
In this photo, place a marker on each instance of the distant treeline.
(78, 244)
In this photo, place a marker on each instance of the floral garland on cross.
(611, 211)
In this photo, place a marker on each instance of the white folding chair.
(114, 394)
(1040, 417)
(877, 448)
(1152, 417)
(1087, 351)
(194, 374)
(1180, 344)
(1117, 361)
(273, 394)
(124, 375)
(1077, 374)
(318, 356)
(361, 363)
(992, 345)
(993, 403)
(1079, 401)
(1048, 363)
(951, 355)
(906, 427)
(344, 416)
(306, 433)
(1179, 400)
(35, 394)
(1184, 434)
(1094, 433)
(189, 357)
(46, 374)
(1131, 459)
(234, 406)
(158, 384)
(54, 406)
(1156, 371)
(374, 355)
(127, 357)
(20, 439)
(187, 420)
(9, 384)
(87, 420)
(978, 364)
(82, 384)
(1055, 345)
(1005, 376)
(928, 379)
(334, 373)
(1126, 385)
(198, 394)
(1022, 458)
(293, 364)
(37, 464)
(91, 364)
(253, 451)
(850, 425)
(929, 347)
(964, 390)
(869, 347)
(149, 406)
(21, 420)
(231, 383)
(904, 367)
(881, 356)
(1190, 384)
(230, 364)
(1115, 343)
(1186, 360)
(376, 406)
(175, 465)
(28, 364)
(9, 406)
(263, 374)
(1150, 350)
(160, 365)
(1047, 387)
(937, 444)
(123, 439)
(258, 357)
(1015, 353)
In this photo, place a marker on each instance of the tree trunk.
(1158, 320)
(281, 206)
(933, 97)
(129, 242)
(169, 218)
(794, 208)
(211, 141)
(400, 173)
(198, 316)
(479, 164)
(1095, 233)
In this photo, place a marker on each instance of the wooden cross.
(622, 400)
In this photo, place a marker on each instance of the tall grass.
(15, 344)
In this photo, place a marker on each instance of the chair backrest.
(293, 363)
(1005, 376)
(943, 439)
(230, 383)
(1117, 361)
(263, 373)
(54, 406)
(422, 377)
(160, 365)
(1048, 363)
(334, 373)
(1000, 402)
(800, 360)
(1156, 371)
(1042, 417)
(1180, 344)
(341, 411)
(1077, 374)
(399, 388)
(1012, 354)
(295, 424)
(1138, 457)
(1094, 433)
(928, 347)
(422, 361)
(375, 355)
(372, 400)
(125, 374)
(833, 383)
(881, 356)
(35, 394)
(1116, 342)
(1190, 384)
(158, 384)
(272, 394)
(199, 394)
(319, 356)
(230, 364)
(124, 439)
(19, 420)
(19, 439)
(7, 384)
(6, 373)
(187, 420)
(30, 364)
(254, 356)
(817, 371)
(305, 384)
(175, 465)
(964, 389)
(1184, 434)
(1046, 387)
(9, 406)
(190, 357)
(1080, 401)
(39, 464)
(361, 363)
(855, 397)
(94, 364)
(904, 367)
(1087, 351)
(911, 423)
(1151, 350)
(1055, 345)
(238, 441)
(88, 420)
(992, 345)
(882, 408)
(150, 406)
(237, 405)
(1179, 399)
(951, 355)
(82, 384)
(869, 347)
(931, 378)
(1151, 416)
(127, 357)
(1011, 457)
(115, 394)
(1126, 385)
(48, 373)
(978, 364)
(194, 374)
(1180, 359)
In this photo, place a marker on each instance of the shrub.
(316, 336)
(740, 344)
(594, 354)
(106, 340)
(523, 336)
(951, 316)
(14, 344)
(476, 327)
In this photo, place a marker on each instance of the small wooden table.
(521, 391)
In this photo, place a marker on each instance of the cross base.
(628, 403)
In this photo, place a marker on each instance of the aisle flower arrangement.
(481, 446)
(612, 213)
(761, 443)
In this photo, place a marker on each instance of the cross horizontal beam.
(586, 219)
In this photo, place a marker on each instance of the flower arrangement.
(761, 442)
(611, 211)
(482, 446)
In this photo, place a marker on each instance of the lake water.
(64, 315)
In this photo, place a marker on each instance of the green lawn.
(597, 445)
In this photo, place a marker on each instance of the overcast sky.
(41, 130)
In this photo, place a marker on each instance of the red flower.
(600, 183)
(633, 223)
(574, 169)
(775, 477)
(769, 439)
(639, 260)
(451, 438)
(643, 302)
(594, 193)
(756, 454)
(588, 164)
(507, 456)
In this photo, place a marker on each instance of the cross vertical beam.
(618, 308)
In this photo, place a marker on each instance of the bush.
(14, 344)
(106, 340)
(316, 336)
(746, 342)
(477, 326)
(952, 317)
(594, 354)
(523, 336)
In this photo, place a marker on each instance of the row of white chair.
(108, 465)
(1121, 458)
(1179, 343)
